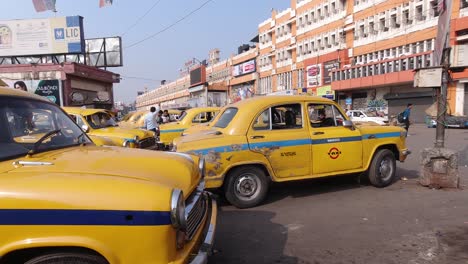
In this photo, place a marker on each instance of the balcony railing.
(403, 63)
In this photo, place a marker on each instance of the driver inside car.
(323, 120)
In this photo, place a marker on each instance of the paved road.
(339, 220)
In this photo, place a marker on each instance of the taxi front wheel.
(65, 258)
(246, 186)
(383, 168)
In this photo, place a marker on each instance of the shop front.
(242, 91)
(68, 84)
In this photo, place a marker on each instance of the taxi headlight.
(178, 219)
(125, 143)
(202, 167)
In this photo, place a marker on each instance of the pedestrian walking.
(150, 122)
(406, 117)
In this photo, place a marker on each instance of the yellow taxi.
(103, 130)
(133, 120)
(194, 116)
(64, 200)
(286, 138)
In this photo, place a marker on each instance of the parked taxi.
(103, 130)
(132, 120)
(191, 117)
(285, 138)
(64, 200)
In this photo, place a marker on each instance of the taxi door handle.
(255, 137)
(319, 133)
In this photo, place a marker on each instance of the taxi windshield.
(101, 120)
(226, 117)
(24, 122)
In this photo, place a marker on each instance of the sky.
(222, 24)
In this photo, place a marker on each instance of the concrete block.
(439, 168)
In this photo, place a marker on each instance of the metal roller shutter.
(420, 105)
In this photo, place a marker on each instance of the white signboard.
(314, 75)
(58, 35)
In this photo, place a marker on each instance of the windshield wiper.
(44, 137)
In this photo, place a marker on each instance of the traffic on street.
(337, 132)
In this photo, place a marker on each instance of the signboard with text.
(51, 89)
(243, 68)
(57, 35)
(314, 75)
(328, 67)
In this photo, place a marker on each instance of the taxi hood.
(173, 170)
(120, 132)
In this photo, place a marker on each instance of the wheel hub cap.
(246, 186)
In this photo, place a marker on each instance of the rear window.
(226, 117)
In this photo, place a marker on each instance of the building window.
(434, 9)
(406, 18)
(382, 25)
(464, 4)
(394, 21)
(419, 13)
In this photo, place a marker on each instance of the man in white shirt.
(150, 121)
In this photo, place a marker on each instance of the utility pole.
(439, 165)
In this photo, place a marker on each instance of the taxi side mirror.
(348, 123)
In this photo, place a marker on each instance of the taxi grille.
(196, 208)
(195, 217)
(147, 142)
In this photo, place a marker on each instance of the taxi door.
(279, 134)
(334, 147)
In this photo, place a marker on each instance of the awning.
(196, 88)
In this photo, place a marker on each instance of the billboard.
(51, 89)
(104, 52)
(198, 76)
(57, 35)
(328, 67)
(314, 75)
(243, 68)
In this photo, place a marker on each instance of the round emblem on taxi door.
(334, 153)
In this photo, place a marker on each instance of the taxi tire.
(67, 258)
(373, 172)
(237, 173)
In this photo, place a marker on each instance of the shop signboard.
(326, 92)
(51, 89)
(57, 35)
(328, 67)
(243, 68)
(314, 75)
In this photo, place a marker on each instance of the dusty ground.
(341, 221)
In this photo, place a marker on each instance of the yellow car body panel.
(193, 116)
(113, 201)
(133, 120)
(291, 154)
(111, 136)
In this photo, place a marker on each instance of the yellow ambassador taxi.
(285, 138)
(194, 116)
(101, 127)
(130, 120)
(64, 200)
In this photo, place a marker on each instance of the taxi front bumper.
(404, 154)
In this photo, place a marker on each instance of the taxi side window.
(324, 115)
(279, 117)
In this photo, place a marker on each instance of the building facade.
(361, 53)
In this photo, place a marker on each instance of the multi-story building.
(362, 53)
